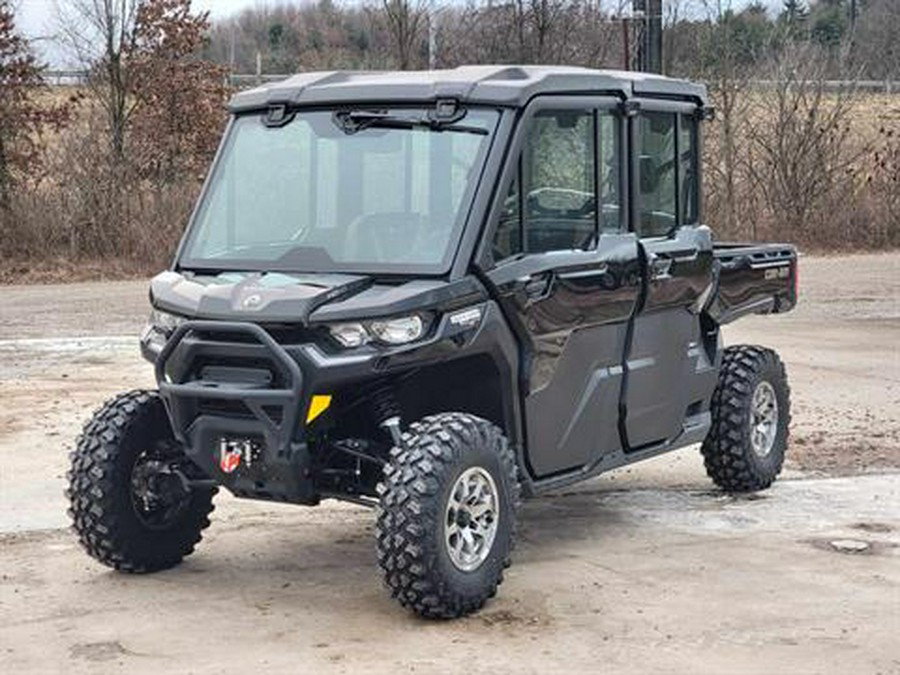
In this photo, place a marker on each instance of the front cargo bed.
(753, 279)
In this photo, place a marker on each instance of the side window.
(687, 173)
(656, 173)
(609, 157)
(558, 177)
(569, 156)
(508, 236)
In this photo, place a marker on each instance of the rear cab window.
(667, 172)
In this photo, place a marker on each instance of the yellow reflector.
(317, 406)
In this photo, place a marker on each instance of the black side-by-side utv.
(435, 293)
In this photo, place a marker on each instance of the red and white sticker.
(229, 461)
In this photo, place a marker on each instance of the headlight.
(397, 331)
(164, 322)
(160, 326)
(350, 334)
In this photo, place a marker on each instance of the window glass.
(687, 148)
(558, 174)
(313, 196)
(610, 185)
(656, 157)
(551, 203)
(508, 237)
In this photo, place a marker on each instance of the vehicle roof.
(507, 85)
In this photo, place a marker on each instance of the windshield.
(364, 191)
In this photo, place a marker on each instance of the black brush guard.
(282, 471)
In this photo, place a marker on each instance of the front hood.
(301, 298)
(252, 296)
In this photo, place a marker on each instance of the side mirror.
(705, 113)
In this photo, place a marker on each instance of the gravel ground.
(645, 569)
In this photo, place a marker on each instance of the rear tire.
(447, 520)
(744, 450)
(118, 521)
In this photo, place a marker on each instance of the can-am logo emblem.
(252, 301)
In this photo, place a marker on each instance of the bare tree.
(127, 173)
(406, 20)
(801, 156)
(877, 39)
(571, 32)
(883, 179)
(179, 99)
(23, 117)
(145, 77)
(100, 34)
(727, 77)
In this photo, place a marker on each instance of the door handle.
(535, 287)
(681, 255)
(659, 267)
(587, 273)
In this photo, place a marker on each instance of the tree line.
(108, 171)
(859, 38)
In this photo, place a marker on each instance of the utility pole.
(231, 50)
(649, 15)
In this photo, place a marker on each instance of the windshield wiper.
(353, 121)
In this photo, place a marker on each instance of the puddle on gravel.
(849, 546)
(876, 528)
(99, 651)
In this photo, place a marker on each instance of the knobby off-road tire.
(424, 480)
(738, 455)
(131, 429)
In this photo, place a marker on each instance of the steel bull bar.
(280, 468)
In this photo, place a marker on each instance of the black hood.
(252, 296)
(303, 298)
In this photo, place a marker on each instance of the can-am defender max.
(433, 293)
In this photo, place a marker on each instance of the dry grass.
(59, 269)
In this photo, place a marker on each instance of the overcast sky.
(37, 19)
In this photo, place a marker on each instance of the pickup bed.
(753, 279)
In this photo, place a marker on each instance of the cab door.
(669, 374)
(568, 276)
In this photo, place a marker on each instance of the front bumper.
(204, 410)
(208, 375)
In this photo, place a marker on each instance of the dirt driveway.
(647, 569)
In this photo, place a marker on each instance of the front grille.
(242, 371)
(223, 408)
(232, 371)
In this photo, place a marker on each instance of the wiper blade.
(353, 121)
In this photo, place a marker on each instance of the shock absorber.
(387, 411)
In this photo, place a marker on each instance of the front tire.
(128, 504)
(745, 448)
(447, 519)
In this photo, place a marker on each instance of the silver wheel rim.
(763, 419)
(471, 517)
